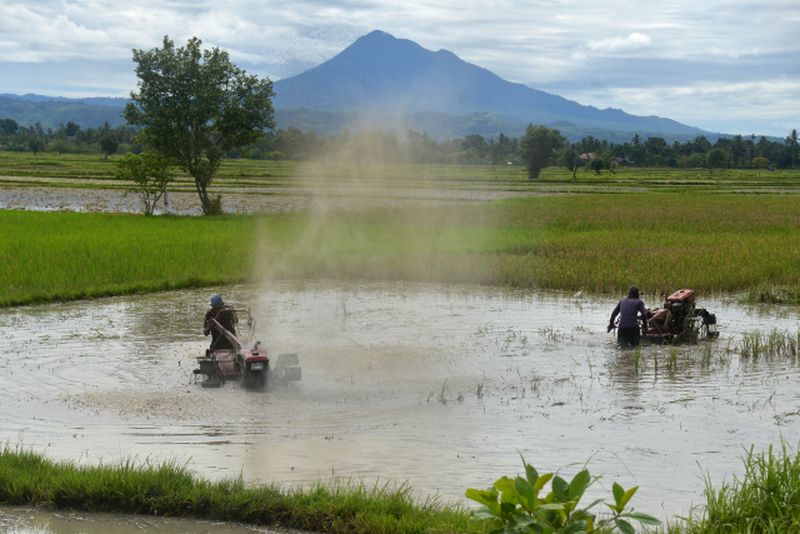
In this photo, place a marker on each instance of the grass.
(765, 500)
(775, 344)
(67, 170)
(27, 478)
(602, 244)
(63, 256)
(597, 243)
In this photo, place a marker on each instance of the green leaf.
(530, 473)
(646, 519)
(541, 481)
(618, 492)
(508, 508)
(628, 494)
(556, 506)
(579, 484)
(525, 492)
(507, 489)
(577, 527)
(488, 498)
(560, 489)
(483, 513)
(624, 526)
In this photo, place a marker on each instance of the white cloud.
(727, 107)
(554, 42)
(633, 41)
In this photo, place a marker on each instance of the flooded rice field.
(239, 200)
(438, 386)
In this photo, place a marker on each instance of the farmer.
(225, 316)
(629, 309)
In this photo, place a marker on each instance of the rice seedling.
(774, 344)
(566, 242)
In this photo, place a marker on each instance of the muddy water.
(20, 520)
(437, 386)
(239, 200)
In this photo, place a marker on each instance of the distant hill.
(51, 111)
(381, 82)
(380, 76)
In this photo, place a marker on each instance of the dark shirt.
(627, 309)
(227, 318)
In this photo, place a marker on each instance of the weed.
(765, 499)
(514, 505)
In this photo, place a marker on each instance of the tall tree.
(716, 158)
(792, 142)
(570, 159)
(538, 148)
(194, 106)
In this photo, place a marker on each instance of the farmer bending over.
(628, 310)
(225, 316)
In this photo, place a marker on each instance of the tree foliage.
(791, 140)
(716, 158)
(538, 148)
(151, 174)
(194, 106)
(570, 160)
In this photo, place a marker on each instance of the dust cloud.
(371, 217)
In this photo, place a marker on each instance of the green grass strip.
(63, 256)
(28, 478)
(598, 243)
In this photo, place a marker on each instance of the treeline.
(67, 138)
(733, 152)
(413, 146)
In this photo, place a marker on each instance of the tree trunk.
(202, 192)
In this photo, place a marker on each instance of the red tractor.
(252, 366)
(680, 321)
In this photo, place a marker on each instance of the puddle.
(438, 386)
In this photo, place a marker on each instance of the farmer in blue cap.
(226, 317)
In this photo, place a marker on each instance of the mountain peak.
(381, 74)
(379, 42)
(377, 35)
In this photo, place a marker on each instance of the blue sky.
(729, 66)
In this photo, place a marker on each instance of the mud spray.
(371, 219)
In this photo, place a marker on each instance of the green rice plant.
(672, 362)
(766, 499)
(167, 489)
(775, 344)
(555, 242)
(60, 256)
(513, 505)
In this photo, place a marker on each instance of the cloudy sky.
(730, 66)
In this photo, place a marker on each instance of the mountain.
(381, 82)
(384, 77)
